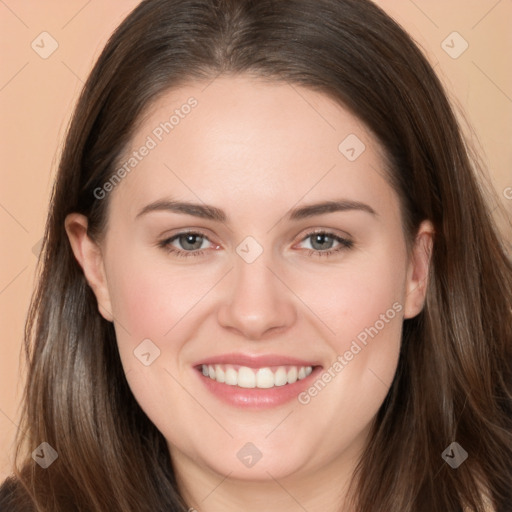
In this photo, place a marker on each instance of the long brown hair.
(454, 379)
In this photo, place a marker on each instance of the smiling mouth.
(262, 378)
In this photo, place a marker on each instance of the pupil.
(191, 240)
(321, 239)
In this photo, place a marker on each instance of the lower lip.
(258, 398)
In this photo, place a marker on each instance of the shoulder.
(13, 498)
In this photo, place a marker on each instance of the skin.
(256, 150)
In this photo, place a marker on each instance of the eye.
(325, 243)
(188, 243)
(191, 243)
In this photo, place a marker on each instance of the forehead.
(244, 139)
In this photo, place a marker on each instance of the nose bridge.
(257, 301)
(253, 279)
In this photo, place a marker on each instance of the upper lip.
(256, 361)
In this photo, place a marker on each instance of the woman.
(270, 279)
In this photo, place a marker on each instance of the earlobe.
(88, 254)
(418, 270)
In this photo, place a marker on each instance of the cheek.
(363, 295)
(361, 312)
(149, 298)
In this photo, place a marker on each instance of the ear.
(418, 270)
(89, 256)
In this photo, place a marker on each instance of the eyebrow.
(209, 212)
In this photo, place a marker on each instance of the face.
(258, 241)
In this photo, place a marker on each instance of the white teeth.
(281, 377)
(246, 378)
(292, 375)
(220, 376)
(231, 376)
(262, 378)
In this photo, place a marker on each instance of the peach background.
(37, 96)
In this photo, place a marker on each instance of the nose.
(257, 302)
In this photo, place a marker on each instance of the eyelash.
(344, 244)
